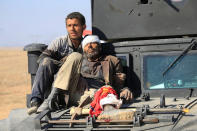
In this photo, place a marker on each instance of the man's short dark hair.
(78, 16)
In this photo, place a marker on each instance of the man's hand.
(127, 94)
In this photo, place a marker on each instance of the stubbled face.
(92, 50)
(74, 28)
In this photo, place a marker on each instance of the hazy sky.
(37, 21)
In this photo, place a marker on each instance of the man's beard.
(93, 55)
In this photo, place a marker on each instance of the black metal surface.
(38, 120)
(137, 50)
(32, 62)
(55, 122)
(117, 19)
(181, 114)
(38, 47)
(33, 52)
(90, 125)
(162, 101)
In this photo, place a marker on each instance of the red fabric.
(95, 108)
(87, 32)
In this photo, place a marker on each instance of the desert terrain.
(14, 80)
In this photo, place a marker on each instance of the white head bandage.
(90, 39)
(110, 99)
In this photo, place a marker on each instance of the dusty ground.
(14, 80)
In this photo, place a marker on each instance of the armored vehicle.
(156, 42)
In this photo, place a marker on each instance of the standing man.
(62, 55)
